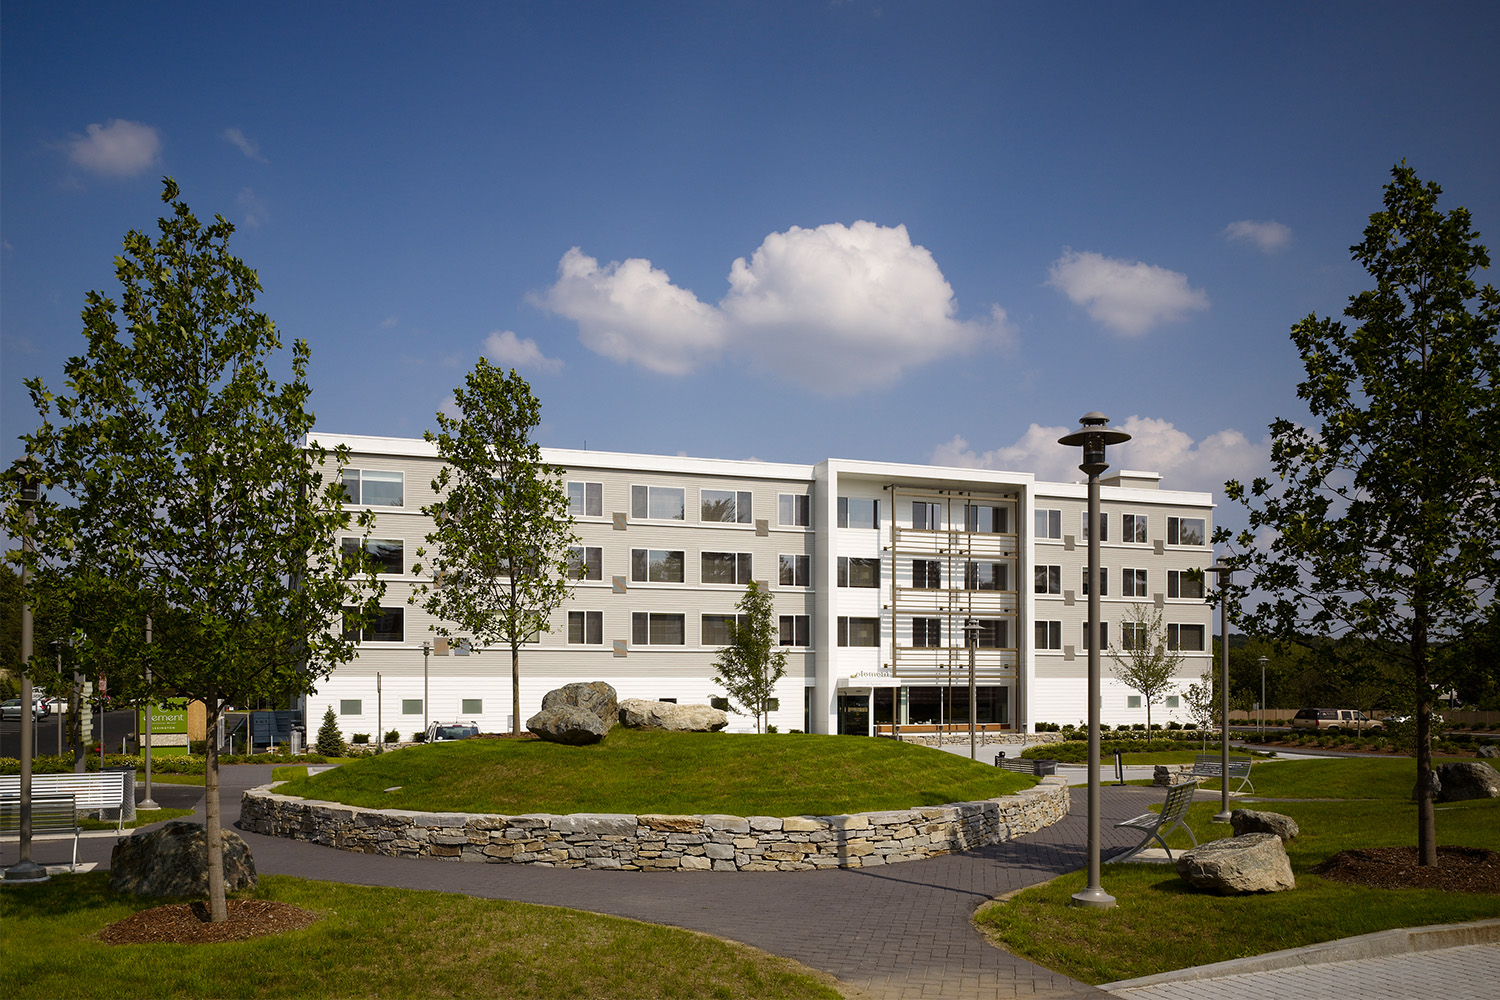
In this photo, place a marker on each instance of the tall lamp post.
(26, 870)
(426, 651)
(1262, 696)
(1225, 571)
(971, 639)
(1093, 435)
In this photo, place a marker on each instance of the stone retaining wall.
(659, 842)
(983, 739)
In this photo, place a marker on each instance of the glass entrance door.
(854, 714)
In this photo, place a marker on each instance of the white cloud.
(1268, 236)
(504, 348)
(118, 148)
(449, 408)
(836, 308)
(1127, 298)
(1155, 446)
(252, 206)
(244, 143)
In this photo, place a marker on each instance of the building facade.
(873, 567)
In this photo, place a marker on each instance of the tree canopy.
(1380, 522)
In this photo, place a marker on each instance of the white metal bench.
(1156, 826)
(50, 814)
(96, 790)
(1211, 765)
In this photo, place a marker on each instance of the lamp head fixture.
(1094, 434)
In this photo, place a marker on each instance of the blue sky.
(896, 231)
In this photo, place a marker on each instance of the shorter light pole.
(971, 639)
(379, 725)
(1262, 697)
(426, 651)
(1225, 570)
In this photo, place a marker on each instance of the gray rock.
(568, 724)
(637, 713)
(1488, 750)
(1432, 780)
(172, 860)
(1467, 779)
(1250, 821)
(593, 696)
(1253, 862)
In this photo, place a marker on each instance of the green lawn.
(143, 818)
(638, 771)
(1186, 927)
(373, 943)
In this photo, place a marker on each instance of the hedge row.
(160, 763)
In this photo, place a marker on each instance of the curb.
(1400, 941)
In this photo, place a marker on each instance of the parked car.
(439, 731)
(11, 709)
(1333, 719)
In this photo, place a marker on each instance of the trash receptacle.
(129, 806)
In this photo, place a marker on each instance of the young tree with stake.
(753, 662)
(1144, 660)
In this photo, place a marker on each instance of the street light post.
(426, 650)
(26, 870)
(1225, 570)
(150, 803)
(971, 639)
(1093, 435)
(379, 725)
(1262, 697)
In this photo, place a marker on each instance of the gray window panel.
(796, 630)
(1048, 635)
(656, 565)
(793, 510)
(1187, 531)
(657, 630)
(1103, 525)
(1132, 635)
(726, 567)
(986, 576)
(926, 516)
(1133, 528)
(859, 631)
(796, 571)
(859, 572)
(586, 499)
(350, 706)
(411, 706)
(585, 562)
(381, 489)
(855, 512)
(471, 706)
(716, 629)
(1103, 581)
(658, 503)
(1186, 637)
(1186, 584)
(388, 553)
(586, 627)
(994, 633)
(926, 574)
(1132, 701)
(1048, 524)
(1103, 635)
(986, 519)
(1048, 579)
(926, 633)
(1133, 583)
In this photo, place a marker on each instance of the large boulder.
(1488, 750)
(637, 713)
(1250, 821)
(1253, 862)
(568, 724)
(172, 860)
(592, 696)
(1467, 779)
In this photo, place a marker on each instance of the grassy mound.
(652, 772)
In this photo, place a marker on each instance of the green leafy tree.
(1143, 659)
(330, 738)
(502, 526)
(1382, 518)
(181, 492)
(753, 661)
(1202, 704)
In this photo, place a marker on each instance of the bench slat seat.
(95, 790)
(1211, 766)
(1156, 826)
(50, 814)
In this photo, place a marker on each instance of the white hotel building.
(873, 567)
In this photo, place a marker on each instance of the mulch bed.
(188, 923)
(1459, 869)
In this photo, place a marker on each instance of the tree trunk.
(515, 689)
(218, 910)
(1426, 815)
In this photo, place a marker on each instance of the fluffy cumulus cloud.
(1128, 298)
(118, 148)
(836, 308)
(1268, 237)
(237, 138)
(504, 348)
(1155, 446)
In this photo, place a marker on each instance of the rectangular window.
(585, 628)
(1049, 524)
(1133, 528)
(724, 505)
(656, 565)
(1103, 526)
(725, 567)
(372, 488)
(855, 512)
(1173, 701)
(586, 499)
(1133, 583)
(1133, 635)
(986, 519)
(411, 706)
(1049, 635)
(926, 516)
(796, 630)
(859, 631)
(657, 630)
(386, 626)
(1185, 583)
(1103, 581)
(386, 552)
(857, 572)
(585, 562)
(793, 509)
(350, 706)
(1185, 637)
(1103, 635)
(716, 628)
(1132, 701)
(994, 633)
(926, 574)
(1048, 579)
(1187, 531)
(658, 503)
(986, 576)
(926, 633)
(796, 571)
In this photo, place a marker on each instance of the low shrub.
(1174, 725)
(361, 737)
(419, 737)
(393, 737)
